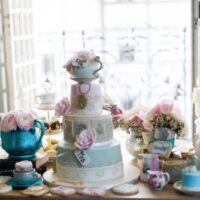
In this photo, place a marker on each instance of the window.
(145, 47)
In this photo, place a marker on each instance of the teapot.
(23, 144)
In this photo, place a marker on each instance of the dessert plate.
(131, 174)
(16, 184)
(178, 186)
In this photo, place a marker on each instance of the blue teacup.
(25, 177)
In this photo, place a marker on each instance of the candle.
(196, 100)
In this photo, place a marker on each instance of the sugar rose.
(62, 107)
(85, 139)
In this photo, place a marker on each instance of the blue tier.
(99, 163)
(101, 123)
(191, 180)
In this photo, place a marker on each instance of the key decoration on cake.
(82, 157)
(82, 99)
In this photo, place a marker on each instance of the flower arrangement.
(166, 114)
(14, 120)
(62, 107)
(116, 113)
(134, 121)
(80, 60)
(85, 139)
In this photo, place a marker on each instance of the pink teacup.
(158, 179)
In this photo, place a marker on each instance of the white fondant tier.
(98, 163)
(102, 124)
(92, 92)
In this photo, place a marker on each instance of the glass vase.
(134, 144)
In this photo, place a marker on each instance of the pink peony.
(85, 139)
(166, 106)
(24, 120)
(8, 123)
(62, 107)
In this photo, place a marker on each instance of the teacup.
(158, 179)
(47, 98)
(25, 177)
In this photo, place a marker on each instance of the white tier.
(94, 99)
(101, 123)
(102, 162)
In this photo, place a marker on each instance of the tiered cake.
(88, 153)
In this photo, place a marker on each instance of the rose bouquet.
(134, 122)
(166, 114)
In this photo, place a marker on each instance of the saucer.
(179, 187)
(13, 182)
(84, 80)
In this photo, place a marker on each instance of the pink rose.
(68, 65)
(116, 113)
(136, 121)
(85, 55)
(85, 139)
(166, 106)
(62, 107)
(8, 122)
(153, 112)
(24, 120)
(147, 125)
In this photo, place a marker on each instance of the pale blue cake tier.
(104, 162)
(191, 180)
(101, 123)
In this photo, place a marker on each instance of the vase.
(164, 134)
(134, 144)
(23, 144)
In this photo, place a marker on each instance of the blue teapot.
(23, 144)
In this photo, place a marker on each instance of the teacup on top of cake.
(191, 178)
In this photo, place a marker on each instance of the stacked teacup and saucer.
(24, 175)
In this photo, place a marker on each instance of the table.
(145, 192)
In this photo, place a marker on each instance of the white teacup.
(47, 98)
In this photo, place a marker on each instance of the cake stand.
(131, 174)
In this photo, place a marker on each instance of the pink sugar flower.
(8, 123)
(116, 113)
(85, 139)
(166, 106)
(24, 120)
(155, 110)
(85, 55)
(136, 121)
(62, 107)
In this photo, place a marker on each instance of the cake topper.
(84, 66)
